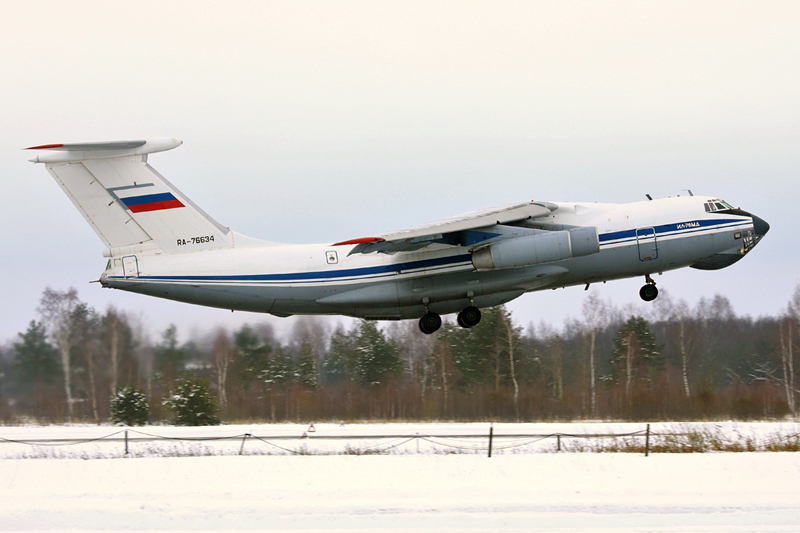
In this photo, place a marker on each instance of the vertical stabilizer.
(126, 201)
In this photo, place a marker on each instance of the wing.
(456, 230)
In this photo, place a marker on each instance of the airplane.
(159, 243)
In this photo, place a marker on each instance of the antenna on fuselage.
(649, 197)
(689, 191)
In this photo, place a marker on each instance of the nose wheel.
(649, 291)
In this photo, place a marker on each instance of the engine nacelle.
(537, 249)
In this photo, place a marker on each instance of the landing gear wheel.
(469, 317)
(649, 292)
(429, 323)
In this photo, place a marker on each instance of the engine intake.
(537, 249)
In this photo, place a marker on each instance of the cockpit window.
(717, 205)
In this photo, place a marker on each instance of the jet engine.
(546, 247)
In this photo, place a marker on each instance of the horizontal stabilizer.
(113, 145)
(66, 153)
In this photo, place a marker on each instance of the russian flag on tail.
(152, 202)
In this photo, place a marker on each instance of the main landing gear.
(429, 323)
(648, 292)
(467, 318)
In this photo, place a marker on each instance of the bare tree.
(682, 316)
(787, 325)
(56, 309)
(86, 353)
(512, 338)
(222, 352)
(114, 325)
(552, 357)
(595, 313)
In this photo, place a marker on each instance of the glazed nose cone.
(760, 226)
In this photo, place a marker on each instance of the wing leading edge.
(454, 230)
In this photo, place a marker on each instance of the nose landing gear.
(648, 292)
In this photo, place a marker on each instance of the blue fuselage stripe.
(396, 268)
(680, 227)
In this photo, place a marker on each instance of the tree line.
(672, 361)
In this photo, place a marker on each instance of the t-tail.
(130, 206)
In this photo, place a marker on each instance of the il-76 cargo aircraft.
(160, 243)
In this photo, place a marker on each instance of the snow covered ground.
(404, 491)
(92, 441)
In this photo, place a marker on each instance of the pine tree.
(481, 353)
(37, 368)
(252, 358)
(129, 407)
(169, 359)
(377, 358)
(636, 357)
(192, 403)
(36, 360)
(340, 361)
(276, 371)
(305, 366)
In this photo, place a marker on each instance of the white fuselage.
(635, 239)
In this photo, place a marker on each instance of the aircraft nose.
(760, 226)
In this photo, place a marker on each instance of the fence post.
(126, 442)
(647, 441)
(241, 448)
(491, 433)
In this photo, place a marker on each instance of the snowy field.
(105, 442)
(401, 490)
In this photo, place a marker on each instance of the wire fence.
(128, 443)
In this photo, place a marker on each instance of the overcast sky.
(324, 121)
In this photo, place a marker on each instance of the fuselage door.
(130, 266)
(646, 240)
